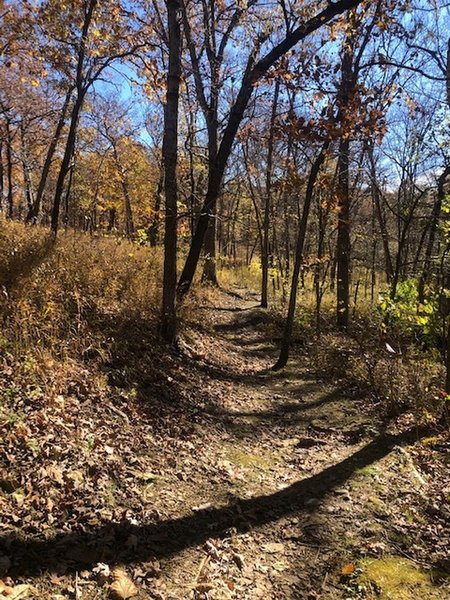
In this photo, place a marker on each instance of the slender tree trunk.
(2, 176)
(28, 187)
(209, 274)
(376, 196)
(343, 247)
(67, 159)
(265, 258)
(67, 195)
(9, 169)
(33, 215)
(154, 226)
(112, 213)
(170, 156)
(437, 206)
(318, 284)
(399, 259)
(128, 211)
(28, 192)
(298, 260)
(343, 239)
(447, 375)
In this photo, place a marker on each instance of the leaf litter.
(164, 437)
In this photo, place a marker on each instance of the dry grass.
(50, 289)
(55, 296)
(407, 380)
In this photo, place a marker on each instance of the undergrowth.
(59, 298)
(388, 366)
(55, 296)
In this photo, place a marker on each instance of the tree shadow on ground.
(285, 408)
(70, 551)
(174, 390)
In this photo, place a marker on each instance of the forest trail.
(217, 478)
(309, 483)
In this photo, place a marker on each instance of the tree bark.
(67, 158)
(28, 188)
(154, 226)
(437, 206)
(170, 157)
(9, 168)
(376, 196)
(265, 258)
(33, 215)
(343, 238)
(343, 247)
(128, 211)
(298, 260)
(2, 176)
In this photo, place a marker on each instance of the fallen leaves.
(273, 547)
(348, 569)
(15, 593)
(122, 587)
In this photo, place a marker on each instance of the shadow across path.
(111, 542)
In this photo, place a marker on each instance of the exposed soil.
(206, 475)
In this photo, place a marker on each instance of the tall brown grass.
(55, 294)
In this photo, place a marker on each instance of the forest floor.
(206, 475)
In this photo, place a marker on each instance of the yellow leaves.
(35, 83)
(96, 32)
(122, 587)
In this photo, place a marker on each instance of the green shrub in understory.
(405, 315)
(390, 353)
(400, 383)
(397, 382)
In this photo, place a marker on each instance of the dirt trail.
(312, 460)
(254, 485)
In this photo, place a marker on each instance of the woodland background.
(163, 167)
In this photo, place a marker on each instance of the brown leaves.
(15, 593)
(122, 587)
(348, 569)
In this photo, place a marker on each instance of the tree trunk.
(28, 189)
(128, 211)
(376, 196)
(265, 258)
(298, 260)
(209, 274)
(112, 213)
(154, 226)
(67, 158)
(170, 156)
(437, 206)
(2, 176)
(343, 237)
(343, 247)
(33, 215)
(9, 167)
